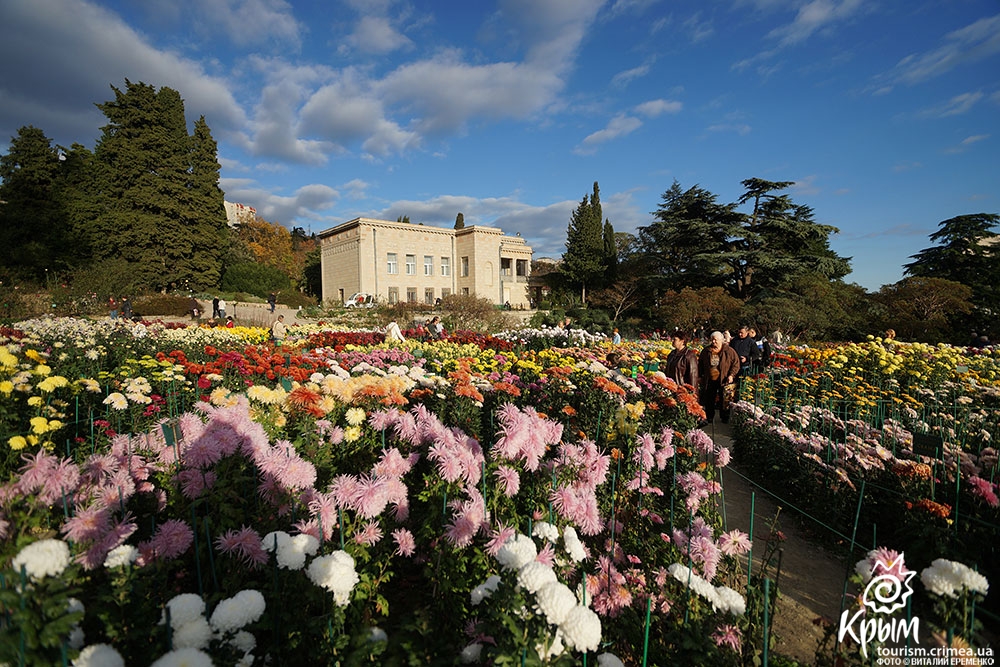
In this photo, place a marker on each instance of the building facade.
(398, 261)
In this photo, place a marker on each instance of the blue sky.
(886, 113)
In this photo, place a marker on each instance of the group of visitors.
(716, 371)
(120, 307)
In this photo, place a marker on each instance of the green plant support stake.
(767, 629)
(170, 629)
(340, 523)
(211, 558)
(197, 555)
(854, 532)
(753, 501)
(645, 641)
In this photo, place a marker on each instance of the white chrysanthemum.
(609, 660)
(183, 608)
(355, 416)
(196, 633)
(116, 400)
(581, 629)
(689, 578)
(554, 648)
(730, 601)
(243, 641)
(335, 573)
(517, 552)
(556, 600)
(574, 547)
(545, 530)
(484, 590)
(121, 556)
(947, 578)
(377, 635)
(238, 611)
(293, 551)
(534, 575)
(99, 655)
(44, 558)
(76, 638)
(471, 653)
(184, 657)
(279, 537)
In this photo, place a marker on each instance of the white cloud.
(738, 128)
(976, 41)
(654, 108)
(814, 16)
(968, 141)
(955, 106)
(250, 22)
(698, 29)
(619, 126)
(375, 34)
(303, 204)
(622, 79)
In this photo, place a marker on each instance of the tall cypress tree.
(32, 232)
(583, 262)
(160, 211)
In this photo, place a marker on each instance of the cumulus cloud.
(304, 204)
(654, 108)
(375, 34)
(76, 45)
(249, 22)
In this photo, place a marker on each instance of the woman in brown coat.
(682, 362)
(718, 366)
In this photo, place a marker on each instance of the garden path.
(811, 581)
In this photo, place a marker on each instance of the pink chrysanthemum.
(370, 535)
(498, 538)
(405, 544)
(172, 538)
(510, 481)
(243, 544)
(728, 636)
(734, 543)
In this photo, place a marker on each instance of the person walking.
(112, 308)
(718, 366)
(278, 330)
(682, 362)
(616, 338)
(222, 309)
(126, 308)
(272, 301)
(215, 307)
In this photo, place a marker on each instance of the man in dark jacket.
(718, 367)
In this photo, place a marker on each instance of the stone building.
(398, 261)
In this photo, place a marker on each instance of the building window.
(505, 266)
(465, 267)
(445, 293)
(522, 268)
(392, 263)
(465, 291)
(411, 294)
(445, 266)
(428, 265)
(429, 296)
(393, 295)
(411, 265)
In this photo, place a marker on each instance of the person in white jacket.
(393, 332)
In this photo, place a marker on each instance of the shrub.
(463, 311)
(256, 279)
(152, 305)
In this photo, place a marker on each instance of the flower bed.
(185, 496)
(882, 445)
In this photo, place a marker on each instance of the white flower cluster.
(291, 551)
(191, 631)
(44, 558)
(577, 626)
(335, 572)
(99, 655)
(121, 556)
(545, 530)
(946, 578)
(723, 598)
(574, 547)
(484, 590)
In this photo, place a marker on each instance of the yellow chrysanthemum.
(18, 442)
(355, 416)
(6, 387)
(39, 425)
(52, 383)
(35, 401)
(352, 433)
